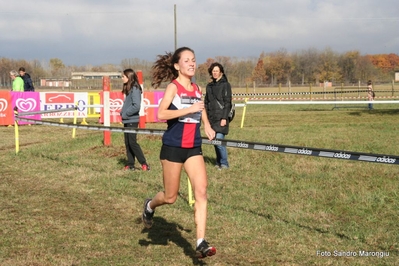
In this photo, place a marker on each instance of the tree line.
(304, 67)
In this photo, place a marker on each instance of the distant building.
(95, 75)
(55, 82)
(325, 84)
(83, 80)
(93, 80)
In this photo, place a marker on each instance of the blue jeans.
(221, 152)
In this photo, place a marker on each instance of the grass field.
(67, 201)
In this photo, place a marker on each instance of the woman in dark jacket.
(218, 104)
(130, 118)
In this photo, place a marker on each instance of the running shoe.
(145, 167)
(147, 216)
(204, 250)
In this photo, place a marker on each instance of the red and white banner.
(116, 99)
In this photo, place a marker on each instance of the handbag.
(232, 112)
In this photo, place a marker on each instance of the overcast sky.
(96, 32)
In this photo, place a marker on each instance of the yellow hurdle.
(191, 200)
(16, 134)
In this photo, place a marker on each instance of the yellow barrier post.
(310, 90)
(191, 200)
(243, 113)
(75, 117)
(16, 132)
(279, 90)
(245, 101)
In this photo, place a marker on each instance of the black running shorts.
(178, 155)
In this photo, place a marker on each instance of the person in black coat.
(218, 104)
(28, 84)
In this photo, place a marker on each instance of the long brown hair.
(164, 69)
(133, 81)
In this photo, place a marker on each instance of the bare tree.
(57, 67)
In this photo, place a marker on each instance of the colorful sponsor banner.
(94, 99)
(149, 112)
(158, 97)
(116, 99)
(6, 109)
(82, 100)
(116, 103)
(62, 100)
(26, 102)
(53, 98)
(47, 101)
(152, 98)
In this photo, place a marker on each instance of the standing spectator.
(370, 94)
(183, 109)
(17, 81)
(130, 119)
(28, 85)
(218, 104)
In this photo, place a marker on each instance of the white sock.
(148, 208)
(199, 241)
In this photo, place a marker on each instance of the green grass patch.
(67, 201)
